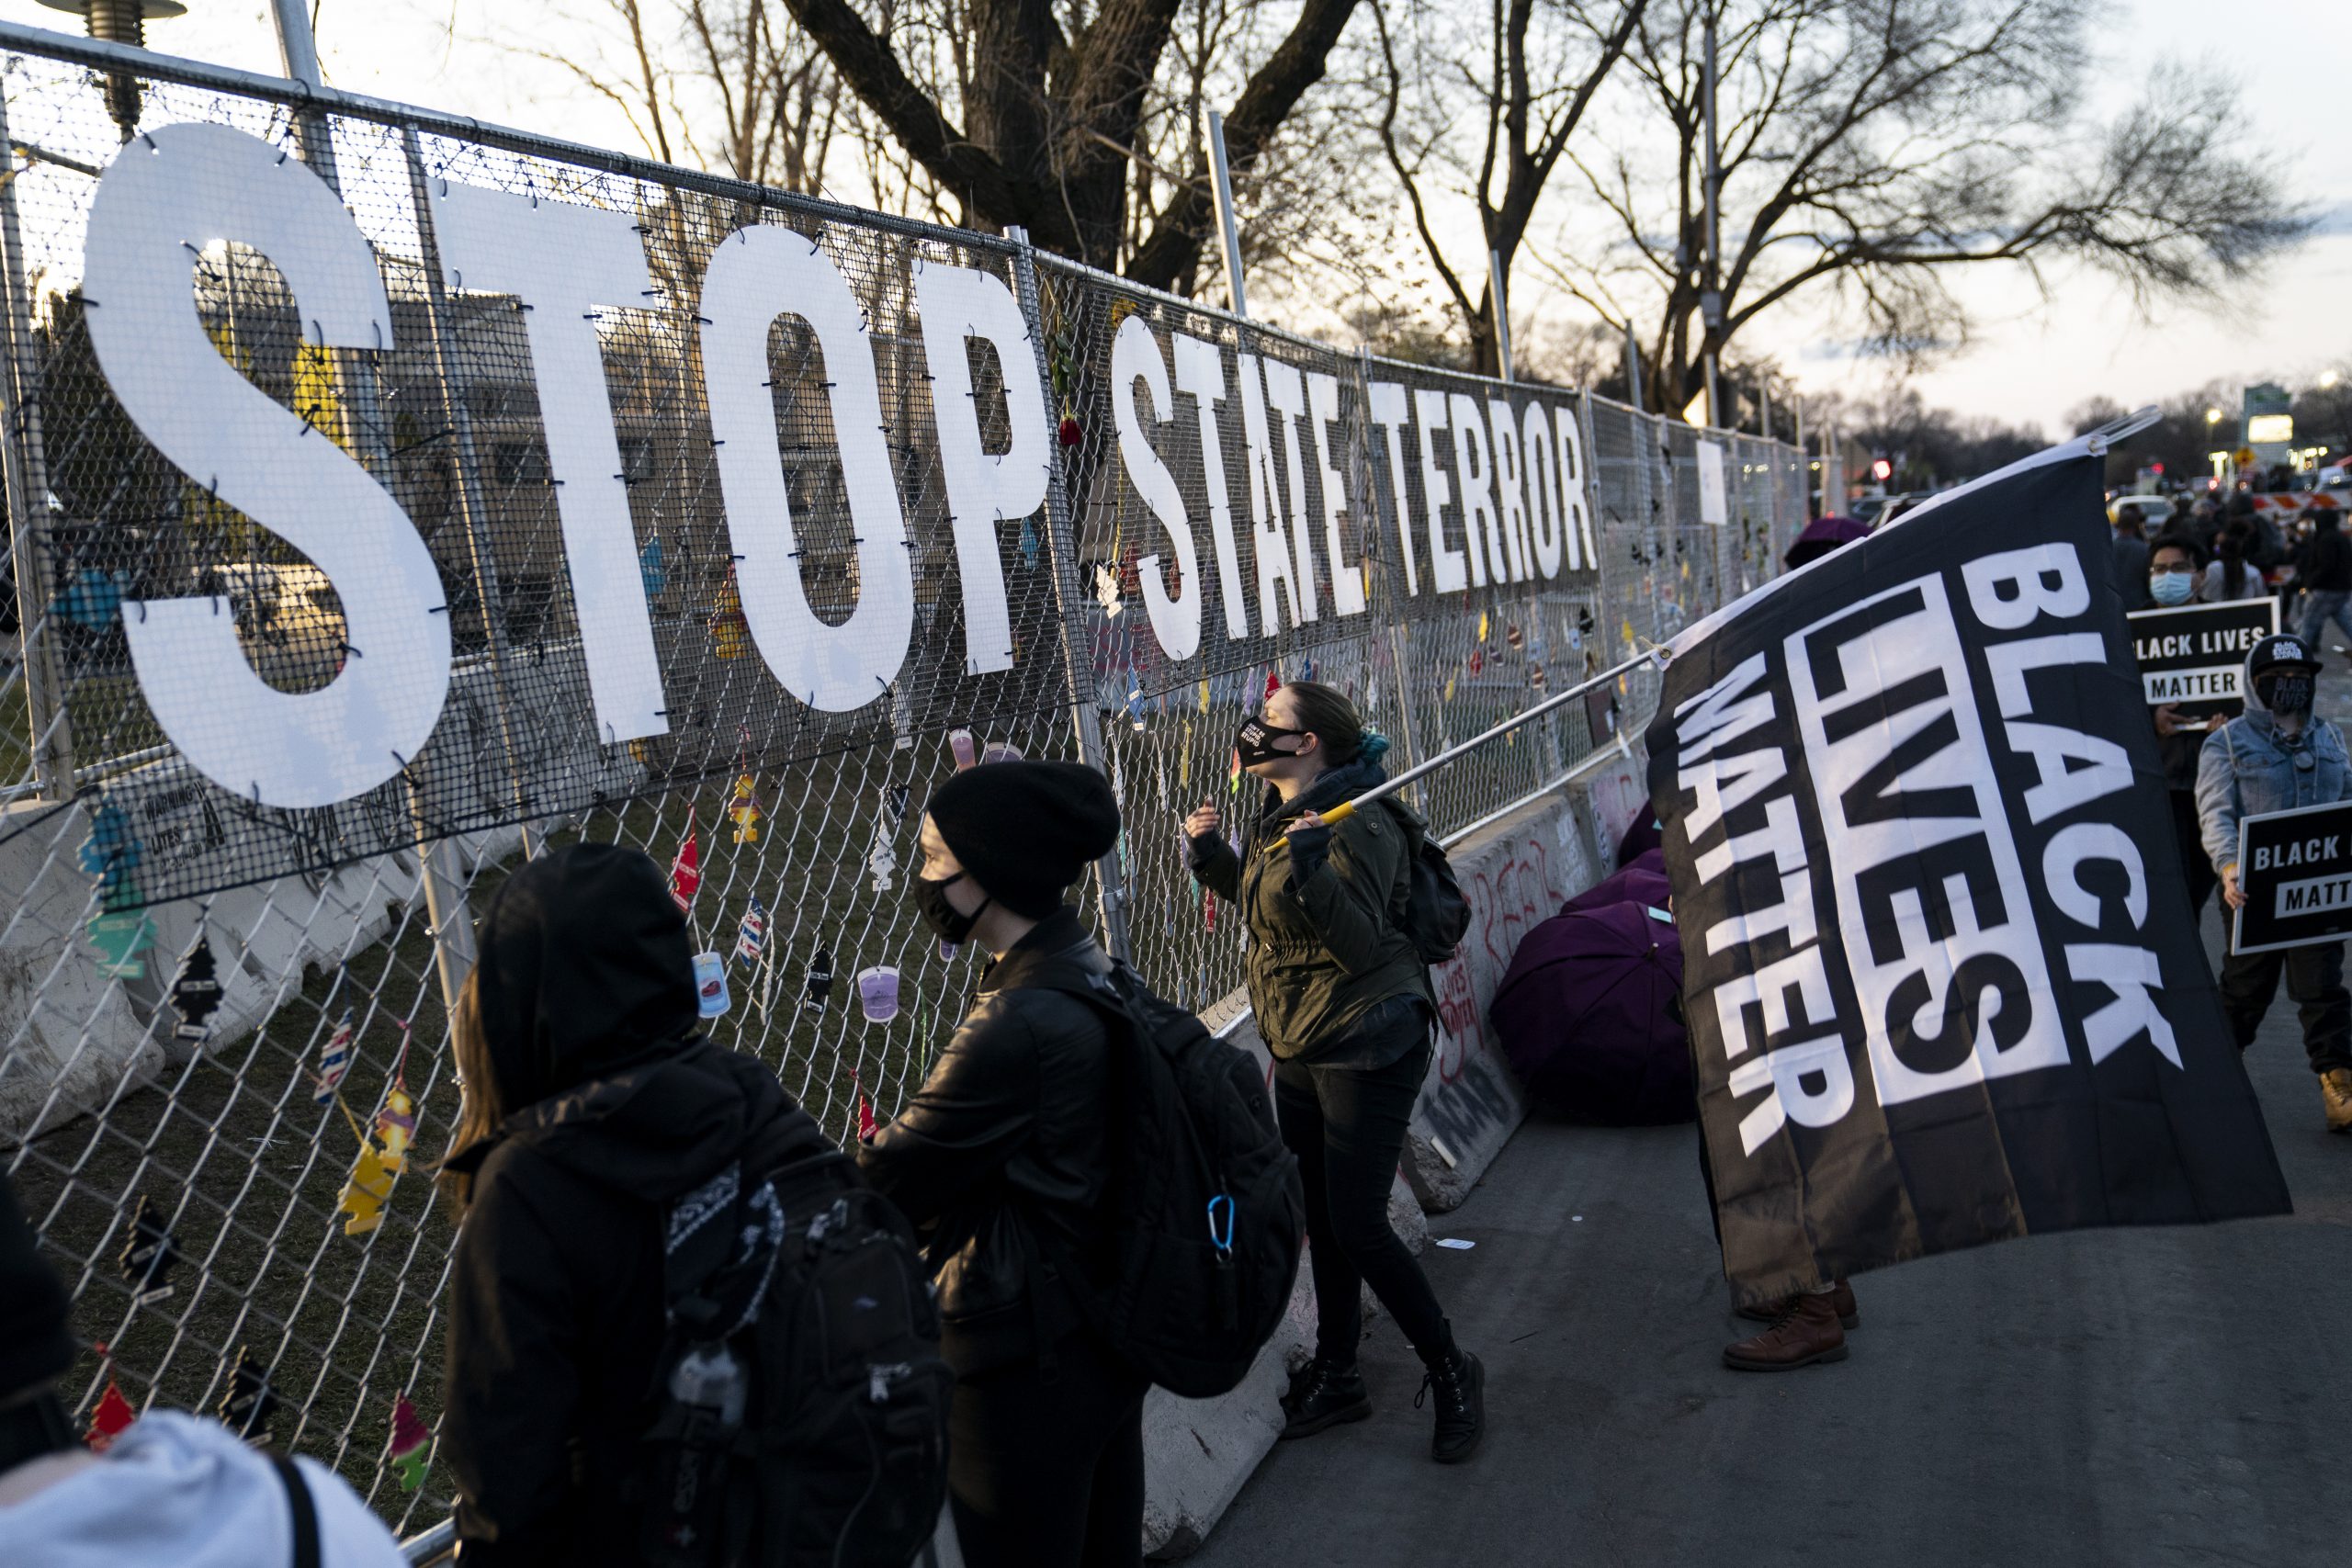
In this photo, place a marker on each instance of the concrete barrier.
(70, 1037)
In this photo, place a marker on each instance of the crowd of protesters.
(603, 1143)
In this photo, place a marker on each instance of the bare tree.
(1871, 147)
(1030, 114)
(1490, 116)
(723, 84)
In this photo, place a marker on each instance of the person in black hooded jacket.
(590, 1104)
(1002, 1161)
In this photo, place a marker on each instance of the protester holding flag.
(2276, 756)
(2175, 579)
(1343, 1002)
(1003, 1158)
(1934, 998)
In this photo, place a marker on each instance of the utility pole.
(1228, 227)
(1711, 299)
(1634, 370)
(1501, 314)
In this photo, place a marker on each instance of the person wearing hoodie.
(173, 1491)
(1344, 1003)
(1003, 1162)
(589, 1105)
(2276, 756)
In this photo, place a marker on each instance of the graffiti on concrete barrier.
(1464, 1109)
(1468, 1096)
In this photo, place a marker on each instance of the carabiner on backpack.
(1221, 1227)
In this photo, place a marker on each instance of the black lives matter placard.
(2194, 658)
(2296, 869)
(1940, 984)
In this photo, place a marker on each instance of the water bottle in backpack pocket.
(801, 1405)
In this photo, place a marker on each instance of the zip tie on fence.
(1348, 808)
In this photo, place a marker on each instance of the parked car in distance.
(2156, 511)
(289, 620)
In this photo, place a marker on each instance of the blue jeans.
(2319, 608)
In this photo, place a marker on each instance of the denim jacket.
(2250, 766)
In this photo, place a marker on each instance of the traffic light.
(1882, 470)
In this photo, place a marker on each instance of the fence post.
(1401, 647)
(1069, 595)
(451, 379)
(443, 876)
(51, 731)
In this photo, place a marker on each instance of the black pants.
(2315, 984)
(1044, 1469)
(1347, 1127)
(2194, 861)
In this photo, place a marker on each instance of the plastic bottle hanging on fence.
(877, 993)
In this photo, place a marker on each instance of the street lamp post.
(120, 21)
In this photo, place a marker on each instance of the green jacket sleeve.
(1344, 891)
(1212, 861)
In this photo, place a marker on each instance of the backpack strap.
(304, 1508)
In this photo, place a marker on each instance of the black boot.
(1460, 1380)
(1322, 1394)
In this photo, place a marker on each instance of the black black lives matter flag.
(1939, 971)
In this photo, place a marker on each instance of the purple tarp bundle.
(1586, 1015)
(1642, 882)
(1643, 835)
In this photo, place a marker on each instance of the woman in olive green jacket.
(1344, 1003)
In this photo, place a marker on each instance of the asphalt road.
(2150, 1398)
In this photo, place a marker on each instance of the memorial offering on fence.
(1941, 984)
(2193, 658)
(2295, 868)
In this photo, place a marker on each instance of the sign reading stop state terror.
(2296, 870)
(1941, 985)
(2194, 658)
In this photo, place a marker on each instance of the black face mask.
(1254, 742)
(947, 922)
(2286, 694)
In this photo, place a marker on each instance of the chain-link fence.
(390, 499)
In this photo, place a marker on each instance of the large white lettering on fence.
(1503, 475)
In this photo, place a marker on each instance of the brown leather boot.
(1805, 1332)
(1842, 1296)
(2335, 1094)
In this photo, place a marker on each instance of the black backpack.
(801, 1402)
(1436, 916)
(1208, 1217)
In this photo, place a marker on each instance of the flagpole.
(1348, 808)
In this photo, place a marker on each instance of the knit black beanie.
(35, 1345)
(1026, 830)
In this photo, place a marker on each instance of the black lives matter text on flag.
(1941, 979)
(2194, 658)
(2296, 870)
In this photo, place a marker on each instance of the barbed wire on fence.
(237, 1191)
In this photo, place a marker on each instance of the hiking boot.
(1806, 1331)
(2335, 1094)
(1323, 1395)
(1842, 1296)
(1461, 1383)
